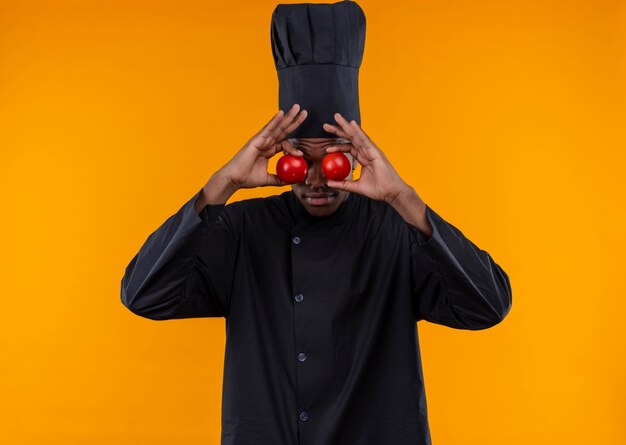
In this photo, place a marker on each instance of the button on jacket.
(321, 336)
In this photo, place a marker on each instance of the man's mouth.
(318, 199)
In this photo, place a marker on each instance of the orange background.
(507, 117)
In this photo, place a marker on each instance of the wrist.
(403, 193)
(219, 188)
(412, 209)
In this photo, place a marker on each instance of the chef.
(321, 287)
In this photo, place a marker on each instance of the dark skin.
(315, 183)
(378, 179)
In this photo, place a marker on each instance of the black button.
(302, 356)
(296, 240)
(304, 416)
(299, 298)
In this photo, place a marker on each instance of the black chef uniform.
(321, 336)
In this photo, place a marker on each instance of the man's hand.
(248, 168)
(378, 178)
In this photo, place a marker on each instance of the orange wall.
(507, 117)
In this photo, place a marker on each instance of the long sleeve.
(455, 283)
(184, 269)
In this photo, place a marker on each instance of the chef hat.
(317, 51)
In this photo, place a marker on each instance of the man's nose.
(315, 176)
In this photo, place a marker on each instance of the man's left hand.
(378, 179)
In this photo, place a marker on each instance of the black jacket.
(321, 336)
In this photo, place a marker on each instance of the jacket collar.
(303, 221)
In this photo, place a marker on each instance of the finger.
(269, 127)
(272, 127)
(344, 125)
(274, 181)
(348, 185)
(288, 148)
(346, 148)
(296, 123)
(360, 132)
(286, 124)
(336, 130)
(348, 128)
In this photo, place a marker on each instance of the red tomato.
(291, 169)
(336, 166)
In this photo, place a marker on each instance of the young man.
(321, 286)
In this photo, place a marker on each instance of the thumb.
(274, 180)
(348, 186)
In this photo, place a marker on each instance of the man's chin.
(320, 204)
(322, 200)
(320, 210)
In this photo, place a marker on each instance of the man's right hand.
(248, 168)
